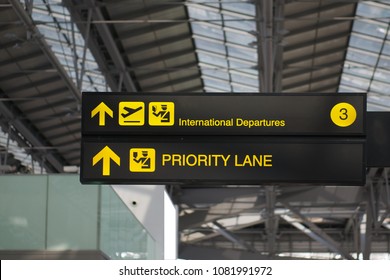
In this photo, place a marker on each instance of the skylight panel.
(54, 22)
(225, 42)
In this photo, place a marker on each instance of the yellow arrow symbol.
(106, 154)
(102, 109)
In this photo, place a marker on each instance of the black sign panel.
(238, 160)
(229, 114)
(378, 139)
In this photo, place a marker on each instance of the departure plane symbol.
(131, 113)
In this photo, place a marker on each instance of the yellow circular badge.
(343, 114)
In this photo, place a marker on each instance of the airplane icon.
(130, 111)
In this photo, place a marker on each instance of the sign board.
(378, 139)
(236, 160)
(228, 114)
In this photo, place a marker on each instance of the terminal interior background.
(51, 51)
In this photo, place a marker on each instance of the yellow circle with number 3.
(343, 114)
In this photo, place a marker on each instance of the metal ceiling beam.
(312, 81)
(111, 46)
(145, 8)
(329, 87)
(45, 81)
(279, 45)
(191, 196)
(317, 55)
(351, 223)
(194, 219)
(269, 44)
(209, 214)
(158, 43)
(322, 7)
(198, 88)
(324, 195)
(11, 44)
(192, 252)
(60, 136)
(24, 127)
(316, 41)
(160, 58)
(172, 82)
(316, 25)
(314, 231)
(38, 37)
(57, 93)
(63, 124)
(237, 228)
(232, 237)
(11, 76)
(366, 233)
(45, 105)
(54, 162)
(151, 27)
(265, 50)
(22, 58)
(150, 73)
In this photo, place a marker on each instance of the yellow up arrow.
(102, 109)
(106, 154)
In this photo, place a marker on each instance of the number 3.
(344, 114)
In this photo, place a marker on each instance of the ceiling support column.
(279, 32)
(271, 223)
(365, 234)
(270, 31)
(264, 24)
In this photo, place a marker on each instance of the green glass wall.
(56, 212)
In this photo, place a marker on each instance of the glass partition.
(56, 212)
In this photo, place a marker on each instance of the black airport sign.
(228, 114)
(238, 160)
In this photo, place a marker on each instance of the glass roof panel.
(198, 13)
(210, 45)
(384, 61)
(246, 54)
(239, 88)
(218, 84)
(207, 30)
(242, 8)
(353, 81)
(366, 43)
(240, 24)
(223, 35)
(386, 48)
(377, 10)
(245, 80)
(211, 59)
(237, 38)
(369, 27)
(367, 65)
(362, 57)
(358, 70)
(218, 73)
